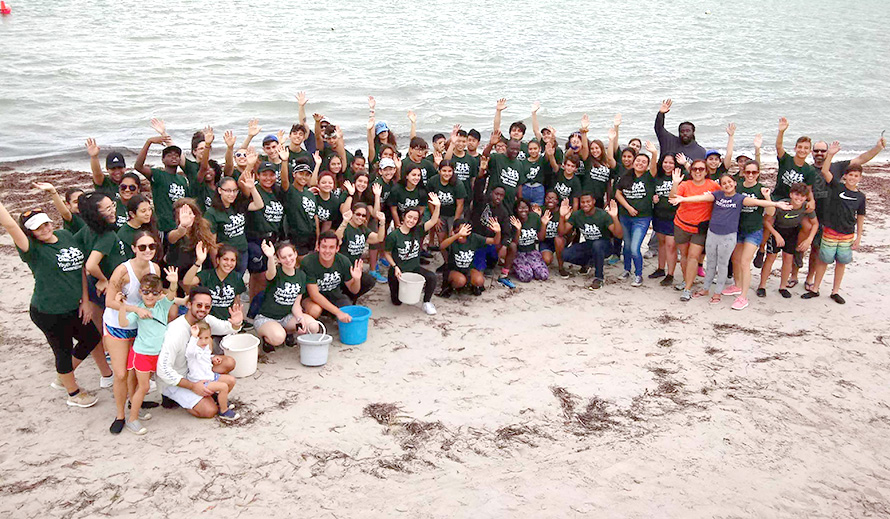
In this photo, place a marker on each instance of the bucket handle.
(324, 330)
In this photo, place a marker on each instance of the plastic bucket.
(244, 348)
(411, 288)
(355, 332)
(314, 347)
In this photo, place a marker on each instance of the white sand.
(791, 420)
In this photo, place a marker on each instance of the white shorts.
(186, 398)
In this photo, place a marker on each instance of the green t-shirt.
(663, 209)
(282, 292)
(191, 170)
(594, 226)
(150, 332)
(448, 194)
(386, 191)
(126, 234)
(427, 169)
(567, 188)
(75, 225)
(112, 248)
(57, 269)
(222, 292)
(790, 173)
(751, 218)
(109, 188)
(506, 173)
(121, 215)
(354, 240)
(165, 190)
(228, 226)
(300, 211)
(460, 255)
(404, 199)
(295, 156)
(405, 248)
(534, 170)
(547, 170)
(639, 195)
(596, 179)
(328, 210)
(528, 233)
(271, 217)
(721, 169)
(328, 279)
(466, 168)
(203, 195)
(328, 153)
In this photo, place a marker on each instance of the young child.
(150, 317)
(784, 228)
(198, 355)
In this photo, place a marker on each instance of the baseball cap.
(270, 138)
(712, 152)
(744, 155)
(36, 219)
(171, 149)
(266, 166)
(387, 163)
(115, 160)
(380, 127)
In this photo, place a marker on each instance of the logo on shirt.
(235, 226)
(222, 296)
(463, 258)
(533, 173)
(591, 232)
(287, 293)
(324, 214)
(309, 206)
(446, 197)
(409, 251)
(356, 246)
(552, 227)
(176, 192)
(527, 236)
(521, 155)
(791, 176)
(273, 211)
(563, 190)
(510, 177)
(121, 220)
(637, 191)
(844, 197)
(462, 170)
(409, 203)
(600, 174)
(330, 281)
(69, 259)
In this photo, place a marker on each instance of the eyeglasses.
(228, 190)
(697, 169)
(129, 187)
(150, 292)
(240, 154)
(147, 246)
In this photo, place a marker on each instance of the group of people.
(155, 281)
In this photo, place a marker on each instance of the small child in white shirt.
(200, 363)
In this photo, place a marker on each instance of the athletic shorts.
(93, 293)
(256, 259)
(547, 244)
(836, 247)
(755, 237)
(261, 319)
(663, 226)
(790, 237)
(681, 237)
(186, 398)
(118, 333)
(142, 363)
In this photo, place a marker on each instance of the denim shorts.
(755, 237)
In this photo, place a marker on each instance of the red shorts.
(143, 363)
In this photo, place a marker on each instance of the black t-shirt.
(844, 206)
(479, 220)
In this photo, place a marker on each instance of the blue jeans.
(534, 194)
(635, 228)
(488, 254)
(584, 253)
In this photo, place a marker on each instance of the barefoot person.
(59, 305)
(173, 365)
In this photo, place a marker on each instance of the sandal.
(838, 299)
(791, 283)
(700, 293)
(809, 286)
(715, 299)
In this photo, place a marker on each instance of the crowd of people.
(156, 280)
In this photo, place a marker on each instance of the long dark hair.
(239, 205)
(366, 196)
(133, 206)
(448, 164)
(88, 205)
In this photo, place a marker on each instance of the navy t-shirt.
(726, 213)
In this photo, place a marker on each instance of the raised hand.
(349, 187)
(650, 147)
(208, 135)
(434, 200)
(194, 330)
(655, 199)
(536, 106)
(613, 208)
(612, 134)
(546, 217)
(356, 269)
(253, 127)
(834, 148)
(616, 121)
(301, 98)
(280, 135)
(381, 218)
(200, 253)
(681, 159)
(564, 208)
(252, 157)
(377, 189)
(758, 141)
(318, 117)
(882, 143)
(536, 209)
(494, 225)
(236, 313)
(186, 217)
(730, 129)
(316, 156)
(247, 179)
(412, 116)
(347, 216)
(585, 122)
(159, 126)
(454, 130)
(549, 149)
(666, 106)
(783, 124)
(229, 138)
(268, 248)
(92, 147)
(483, 162)
(172, 275)
(46, 187)
(371, 122)
(515, 222)
(765, 191)
(501, 105)
(283, 153)
(372, 103)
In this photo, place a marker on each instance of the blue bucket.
(355, 332)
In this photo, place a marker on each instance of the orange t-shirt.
(690, 214)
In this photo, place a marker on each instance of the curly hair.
(200, 230)
(88, 205)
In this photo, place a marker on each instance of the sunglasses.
(697, 169)
(820, 151)
(148, 246)
(150, 292)
(240, 154)
(361, 215)
(129, 187)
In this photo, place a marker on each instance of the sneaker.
(686, 295)
(136, 428)
(758, 259)
(657, 274)
(117, 426)
(57, 383)
(625, 275)
(740, 303)
(152, 386)
(429, 308)
(381, 262)
(476, 291)
(613, 259)
(809, 295)
(638, 281)
(680, 286)
(378, 276)
(82, 399)
(701, 271)
(106, 382)
(506, 282)
(584, 269)
(229, 415)
(446, 292)
(732, 290)
(651, 253)
(563, 273)
(761, 292)
(785, 293)
(667, 281)
(597, 284)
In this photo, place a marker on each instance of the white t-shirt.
(199, 361)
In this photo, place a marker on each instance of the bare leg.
(692, 257)
(119, 349)
(839, 269)
(787, 262)
(767, 269)
(142, 381)
(670, 247)
(205, 408)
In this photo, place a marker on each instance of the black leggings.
(428, 288)
(61, 330)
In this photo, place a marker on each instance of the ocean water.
(76, 69)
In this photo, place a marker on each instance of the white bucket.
(411, 288)
(244, 348)
(314, 347)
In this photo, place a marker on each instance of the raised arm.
(826, 165)
(341, 148)
(780, 149)
(730, 140)
(545, 220)
(301, 102)
(60, 205)
(550, 152)
(585, 146)
(256, 201)
(653, 158)
(449, 152)
(341, 229)
(191, 275)
(412, 118)
(615, 227)
(371, 121)
(271, 264)
(436, 205)
(143, 153)
(229, 167)
(253, 128)
(564, 211)
(758, 143)
(613, 143)
(95, 167)
(319, 140)
(12, 227)
(870, 154)
(536, 127)
(498, 108)
(205, 157)
(660, 131)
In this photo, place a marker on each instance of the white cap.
(387, 163)
(37, 220)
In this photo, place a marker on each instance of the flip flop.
(715, 300)
(809, 286)
(792, 283)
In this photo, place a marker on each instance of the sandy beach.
(546, 401)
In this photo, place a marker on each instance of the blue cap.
(380, 127)
(270, 138)
(712, 152)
